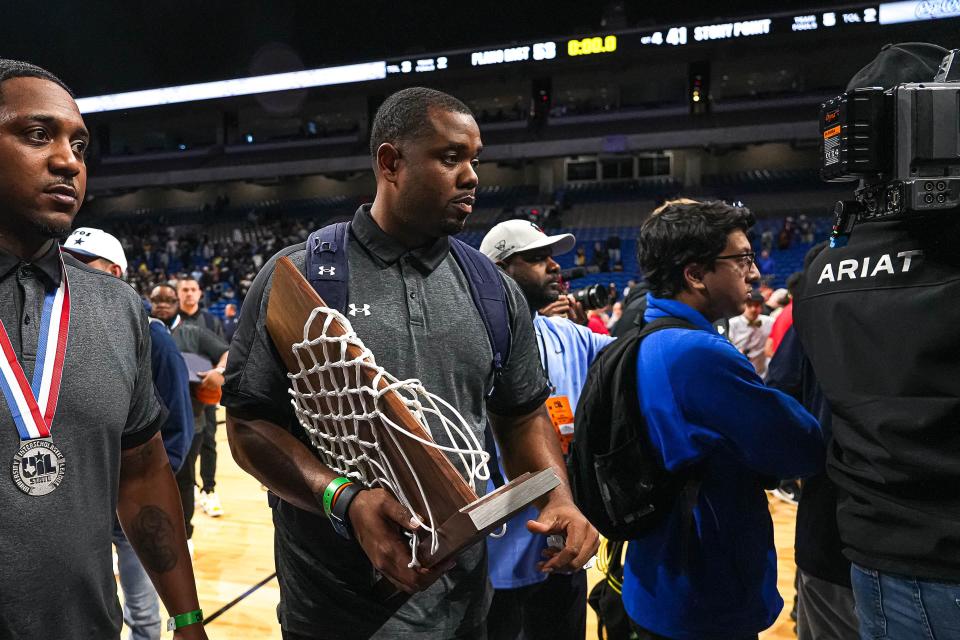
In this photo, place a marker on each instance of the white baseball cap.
(96, 243)
(515, 236)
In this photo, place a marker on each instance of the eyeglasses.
(744, 260)
(163, 300)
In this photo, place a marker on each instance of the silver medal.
(38, 467)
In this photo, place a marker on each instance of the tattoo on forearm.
(146, 451)
(152, 537)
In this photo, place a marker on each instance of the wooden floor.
(235, 552)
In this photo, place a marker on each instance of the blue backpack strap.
(327, 267)
(489, 296)
(328, 271)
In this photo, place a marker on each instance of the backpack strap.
(489, 296)
(327, 267)
(328, 271)
(667, 322)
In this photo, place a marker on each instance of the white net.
(340, 402)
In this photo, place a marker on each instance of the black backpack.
(615, 474)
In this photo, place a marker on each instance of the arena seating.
(226, 243)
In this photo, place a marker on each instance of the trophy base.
(477, 519)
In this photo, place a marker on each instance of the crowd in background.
(224, 265)
(225, 259)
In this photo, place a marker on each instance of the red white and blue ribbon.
(34, 405)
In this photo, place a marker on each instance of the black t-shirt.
(879, 321)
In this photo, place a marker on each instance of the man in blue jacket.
(707, 409)
(102, 251)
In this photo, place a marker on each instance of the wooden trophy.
(441, 496)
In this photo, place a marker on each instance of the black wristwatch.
(338, 514)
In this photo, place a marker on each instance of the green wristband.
(330, 492)
(184, 620)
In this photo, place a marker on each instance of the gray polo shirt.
(422, 323)
(55, 578)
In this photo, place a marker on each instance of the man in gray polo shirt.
(413, 309)
(90, 446)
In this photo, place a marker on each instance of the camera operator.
(879, 320)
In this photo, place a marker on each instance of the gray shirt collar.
(386, 250)
(48, 264)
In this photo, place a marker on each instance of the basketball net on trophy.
(379, 431)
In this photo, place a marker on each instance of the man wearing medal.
(528, 603)
(79, 418)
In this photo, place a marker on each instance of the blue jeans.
(902, 608)
(141, 608)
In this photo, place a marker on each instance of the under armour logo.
(365, 309)
(327, 271)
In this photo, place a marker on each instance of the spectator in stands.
(597, 321)
(229, 321)
(580, 259)
(785, 237)
(749, 332)
(600, 256)
(806, 228)
(189, 295)
(766, 240)
(706, 409)
(767, 265)
(613, 248)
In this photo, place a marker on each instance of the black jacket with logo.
(880, 322)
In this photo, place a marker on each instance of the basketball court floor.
(234, 554)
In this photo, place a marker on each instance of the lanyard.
(546, 359)
(33, 405)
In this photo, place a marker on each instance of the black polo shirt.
(56, 579)
(414, 311)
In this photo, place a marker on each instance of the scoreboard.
(802, 27)
(848, 20)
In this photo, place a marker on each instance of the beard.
(56, 231)
(539, 297)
